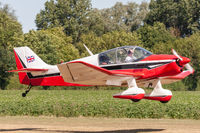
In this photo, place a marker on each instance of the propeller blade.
(189, 67)
(174, 52)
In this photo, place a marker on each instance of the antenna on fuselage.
(88, 50)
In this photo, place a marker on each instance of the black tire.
(135, 100)
(164, 101)
(23, 94)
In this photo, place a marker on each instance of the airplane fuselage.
(154, 66)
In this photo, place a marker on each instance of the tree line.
(63, 26)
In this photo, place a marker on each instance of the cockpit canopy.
(125, 54)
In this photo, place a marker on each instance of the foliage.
(78, 18)
(121, 38)
(107, 41)
(9, 29)
(91, 103)
(127, 17)
(70, 14)
(151, 35)
(96, 23)
(52, 45)
(6, 63)
(182, 16)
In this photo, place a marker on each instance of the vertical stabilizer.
(25, 58)
(28, 58)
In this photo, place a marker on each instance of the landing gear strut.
(159, 93)
(27, 91)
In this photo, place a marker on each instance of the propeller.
(189, 67)
(181, 61)
(174, 52)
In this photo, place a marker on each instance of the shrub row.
(96, 103)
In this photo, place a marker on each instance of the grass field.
(96, 103)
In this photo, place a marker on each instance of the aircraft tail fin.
(27, 61)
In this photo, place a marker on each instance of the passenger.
(130, 57)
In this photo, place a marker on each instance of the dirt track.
(95, 125)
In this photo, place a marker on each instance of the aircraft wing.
(83, 73)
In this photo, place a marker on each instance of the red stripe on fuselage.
(52, 81)
(169, 69)
(159, 57)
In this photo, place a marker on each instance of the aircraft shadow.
(20, 129)
(68, 131)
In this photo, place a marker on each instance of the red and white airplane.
(130, 66)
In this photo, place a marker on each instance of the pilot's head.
(130, 52)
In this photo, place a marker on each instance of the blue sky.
(26, 10)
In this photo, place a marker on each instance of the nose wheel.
(164, 101)
(135, 100)
(27, 91)
(159, 94)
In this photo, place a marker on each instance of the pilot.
(104, 59)
(130, 57)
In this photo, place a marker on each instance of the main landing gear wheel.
(135, 100)
(24, 94)
(27, 91)
(164, 101)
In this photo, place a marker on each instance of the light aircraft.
(130, 66)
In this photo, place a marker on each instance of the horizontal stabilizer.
(29, 70)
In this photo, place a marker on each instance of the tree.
(52, 45)
(124, 17)
(107, 41)
(121, 38)
(10, 29)
(92, 41)
(151, 35)
(96, 22)
(70, 14)
(6, 63)
(181, 16)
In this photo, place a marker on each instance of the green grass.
(96, 103)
